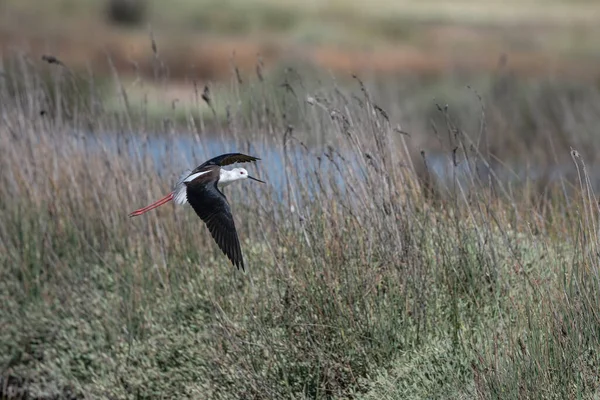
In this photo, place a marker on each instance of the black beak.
(254, 179)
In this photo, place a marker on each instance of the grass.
(367, 280)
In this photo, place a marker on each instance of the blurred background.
(530, 60)
(198, 38)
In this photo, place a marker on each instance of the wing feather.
(212, 208)
(229, 158)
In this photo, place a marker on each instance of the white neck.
(228, 177)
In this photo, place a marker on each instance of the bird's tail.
(180, 190)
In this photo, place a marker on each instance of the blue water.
(171, 155)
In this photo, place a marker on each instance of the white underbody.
(226, 178)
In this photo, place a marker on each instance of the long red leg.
(158, 203)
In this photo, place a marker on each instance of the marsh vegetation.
(369, 275)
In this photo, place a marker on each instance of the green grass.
(482, 289)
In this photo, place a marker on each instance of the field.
(427, 230)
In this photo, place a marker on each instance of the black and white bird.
(201, 189)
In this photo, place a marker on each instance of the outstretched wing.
(212, 208)
(229, 158)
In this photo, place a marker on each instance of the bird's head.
(241, 173)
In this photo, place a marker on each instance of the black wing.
(229, 158)
(212, 208)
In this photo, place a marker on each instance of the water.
(173, 154)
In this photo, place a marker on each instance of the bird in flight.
(201, 189)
